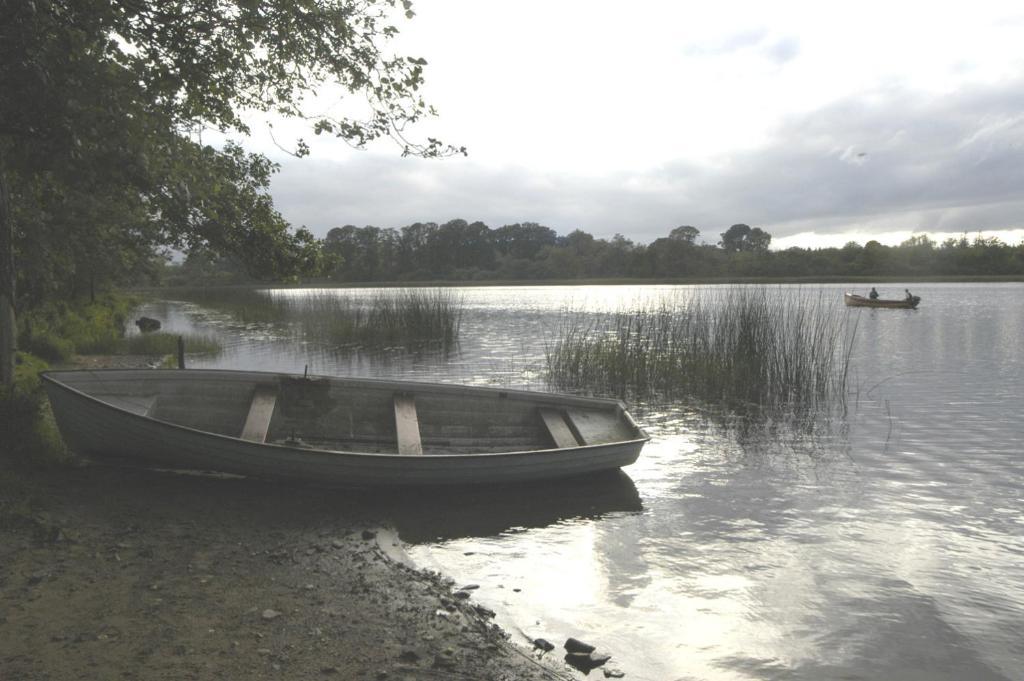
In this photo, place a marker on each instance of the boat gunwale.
(523, 394)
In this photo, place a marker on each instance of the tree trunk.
(8, 327)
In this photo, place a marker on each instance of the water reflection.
(886, 542)
(430, 516)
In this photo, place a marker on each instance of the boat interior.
(360, 416)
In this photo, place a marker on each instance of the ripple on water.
(886, 545)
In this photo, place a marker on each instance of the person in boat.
(874, 294)
(910, 296)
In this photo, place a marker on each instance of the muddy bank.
(131, 574)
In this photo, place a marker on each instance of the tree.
(614, 258)
(459, 245)
(412, 246)
(917, 253)
(741, 238)
(685, 234)
(523, 240)
(99, 96)
(875, 257)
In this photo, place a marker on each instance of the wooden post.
(181, 352)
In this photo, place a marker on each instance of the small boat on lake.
(338, 431)
(853, 300)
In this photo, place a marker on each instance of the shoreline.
(612, 281)
(109, 572)
(138, 574)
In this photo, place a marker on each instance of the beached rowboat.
(338, 430)
(853, 300)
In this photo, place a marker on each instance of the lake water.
(886, 544)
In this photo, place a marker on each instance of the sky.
(818, 122)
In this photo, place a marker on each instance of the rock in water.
(543, 644)
(147, 324)
(585, 662)
(573, 645)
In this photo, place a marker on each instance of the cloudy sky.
(819, 122)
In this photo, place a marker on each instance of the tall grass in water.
(741, 347)
(378, 319)
(385, 318)
(244, 304)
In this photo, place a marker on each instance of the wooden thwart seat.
(558, 427)
(594, 426)
(257, 423)
(407, 425)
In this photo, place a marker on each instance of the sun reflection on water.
(881, 543)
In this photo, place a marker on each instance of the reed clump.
(247, 305)
(740, 346)
(386, 317)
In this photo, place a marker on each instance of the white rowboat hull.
(336, 431)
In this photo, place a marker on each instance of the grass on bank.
(29, 429)
(740, 347)
(30, 440)
(161, 343)
(58, 331)
(406, 316)
(55, 333)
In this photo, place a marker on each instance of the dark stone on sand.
(574, 645)
(580, 661)
(544, 644)
(585, 662)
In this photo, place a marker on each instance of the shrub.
(57, 331)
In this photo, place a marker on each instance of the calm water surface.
(887, 544)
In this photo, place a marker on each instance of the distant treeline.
(463, 251)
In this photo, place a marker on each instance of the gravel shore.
(132, 574)
(115, 573)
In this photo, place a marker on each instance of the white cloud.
(800, 117)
